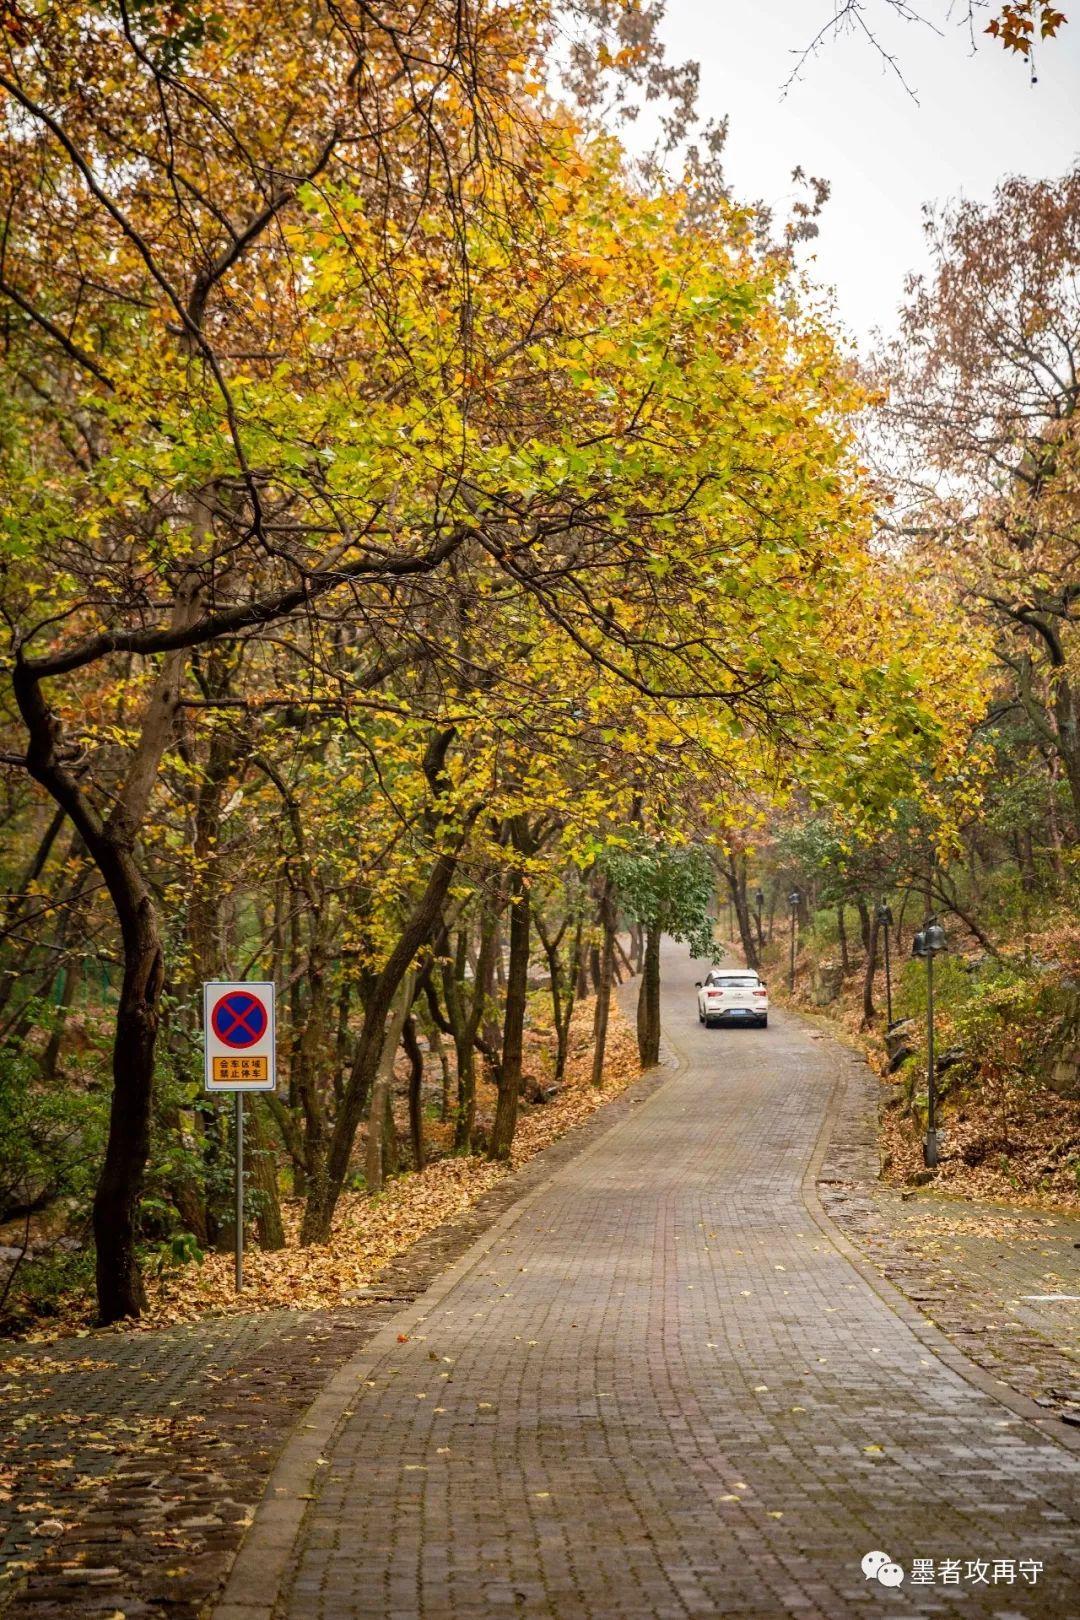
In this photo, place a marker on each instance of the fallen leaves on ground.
(368, 1233)
(1033, 1173)
(1027, 1159)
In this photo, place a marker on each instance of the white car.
(735, 995)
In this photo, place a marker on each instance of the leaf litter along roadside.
(970, 1267)
(1022, 1151)
(369, 1233)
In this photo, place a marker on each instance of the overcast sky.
(849, 119)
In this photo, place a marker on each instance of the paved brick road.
(1003, 1283)
(149, 1451)
(662, 1390)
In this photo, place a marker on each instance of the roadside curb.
(932, 1338)
(1047, 1426)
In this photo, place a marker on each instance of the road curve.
(662, 1390)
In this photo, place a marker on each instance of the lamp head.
(918, 944)
(935, 938)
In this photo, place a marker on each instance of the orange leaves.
(593, 263)
(1020, 21)
(14, 22)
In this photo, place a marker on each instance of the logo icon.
(880, 1567)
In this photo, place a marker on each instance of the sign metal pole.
(794, 900)
(239, 1191)
(931, 1077)
(927, 942)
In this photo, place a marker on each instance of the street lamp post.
(759, 901)
(927, 943)
(885, 919)
(793, 901)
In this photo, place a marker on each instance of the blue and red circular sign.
(239, 1019)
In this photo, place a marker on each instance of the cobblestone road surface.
(664, 1390)
(1003, 1283)
(131, 1462)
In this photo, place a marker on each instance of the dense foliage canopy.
(414, 514)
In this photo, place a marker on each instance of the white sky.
(850, 120)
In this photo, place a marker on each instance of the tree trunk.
(573, 981)
(596, 968)
(341, 1039)
(584, 958)
(311, 1055)
(453, 974)
(112, 844)
(296, 1025)
(637, 946)
(1057, 863)
(1067, 724)
(203, 928)
(841, 934)
(603, 990)
(648, 1007)
(864, 921)
(391, 1156)
(376, 1166)
(560, 1016)
(326, 1189)
(438, 1050)
(737, 884)
(563, 989)
(868, 1009)
(517, 985)
(621, 956)
(202, 914)
(1025, 859)
(186, 1190)
(263, 1164)
(466, 1019)
(120, 1290)
(416, 1091)
(291, 1136)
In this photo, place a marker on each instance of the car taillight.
(761, 992)
(713, 994)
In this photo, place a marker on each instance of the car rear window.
(733, 979)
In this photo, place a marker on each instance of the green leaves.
(663, 886)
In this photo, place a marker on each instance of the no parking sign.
(238, 1031)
